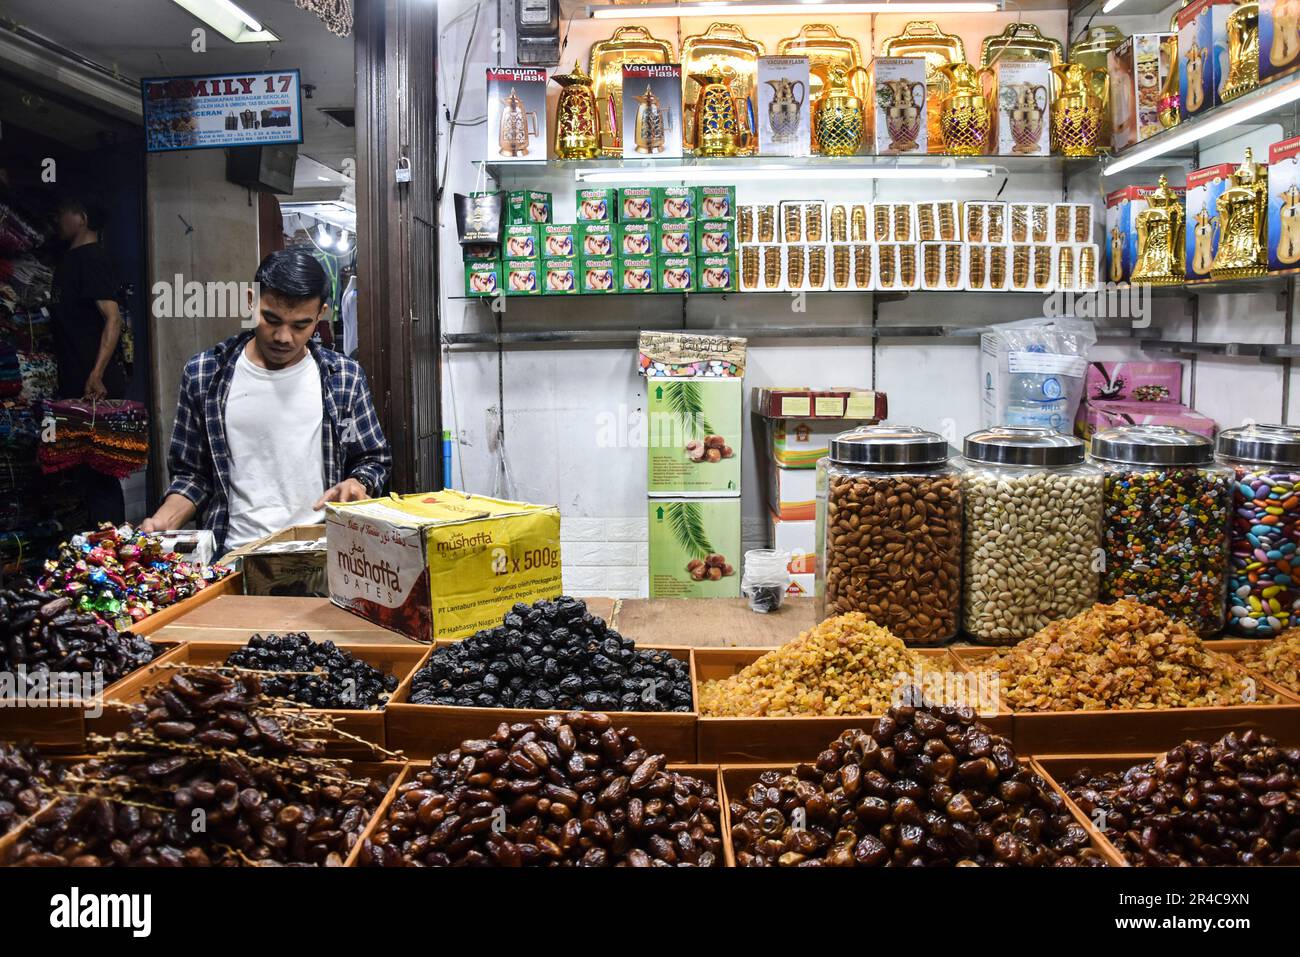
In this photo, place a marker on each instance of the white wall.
(555, 399)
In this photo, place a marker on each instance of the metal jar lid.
(1152, 445)
(1274, 444)
(1022, 445)
(889, 445)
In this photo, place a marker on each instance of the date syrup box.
(716, 273)
(715, 237)
(522, 277)
(638, 274)
(528, 207)
(482, 278)
(594, 239)
(520, 243)
(598, 275)
(1284, 205)
(716, 202)
(557, 241)
(675, 203)
(675, 239)
(560, 277)
(595, 205)
(634, 239)
(695, 430)
(1201, 217)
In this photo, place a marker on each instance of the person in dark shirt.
(87, 326)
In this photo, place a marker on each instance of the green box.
(560, 277)
(676, 273)
(675, 239)
(715, 237)
(688, 536)
(675, 203)
(480, 252)
(556, 241)
(482, 278)
(598, 275)
(596, 205)
(715, 202)
(634, 239)
(521, 242)
(522, 277)
(636, 204)
(528, 206)
(716, 273)
(638, 274)
(594, 239)
(689, 421)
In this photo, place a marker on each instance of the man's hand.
(95, 387)
(151, 525)
(349, 490)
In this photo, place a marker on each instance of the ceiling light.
(1110, 5)
(714, 173)
(230, 20)
(345, 243)
(1224, 117)
(323, 238)
(323, 179)
(776, 8)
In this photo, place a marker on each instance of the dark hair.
(75, 204)
(293, 274)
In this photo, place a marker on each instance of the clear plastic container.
(1032, 530)
(765, 578)
(889, 532)
(1165, 508)
(1263, 586)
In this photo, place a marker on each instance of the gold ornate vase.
(1161, 246)
(515, 128)
(575, 116)
(1243, 224)
(1243, 50)
(839, 115)
(1079, 110)
(717, 124)
(966, 117)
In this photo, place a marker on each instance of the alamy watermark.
(20, 688)
(178, 299)
(1110, 301)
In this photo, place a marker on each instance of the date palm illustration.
(687, 406)
(687, 524)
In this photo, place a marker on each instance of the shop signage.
(223, 109)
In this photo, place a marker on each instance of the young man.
(87, 326)
(270, 426)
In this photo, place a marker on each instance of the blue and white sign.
(221, 110)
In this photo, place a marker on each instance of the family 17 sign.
(225, 109)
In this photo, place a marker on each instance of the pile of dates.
(565, 790)
(44, 633)
(326, 676)
(25, 779)
(927, 786)
(1233, 802)
(174, 791)
(553, 655)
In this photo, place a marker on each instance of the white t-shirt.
(273, 428)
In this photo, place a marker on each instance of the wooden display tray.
(764, 740)
(234, 617)
(399, 660)
(736, 779)
(422, 730)
(1132, 730)
(1232, 646)
(709, 772)
(232, 584)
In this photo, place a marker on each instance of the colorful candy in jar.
(1165, 511)
(1264, 571)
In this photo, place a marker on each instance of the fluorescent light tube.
(759, 8)
(230, 20)
(710, 173)
(1110, 5)
(1190, 131)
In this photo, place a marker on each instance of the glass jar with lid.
(1263, 570)
(889, 532)
(1032, 531)
(1165, 506)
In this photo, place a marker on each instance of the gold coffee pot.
(650, 122)
(1079, 110)
(717, 123)
(575, 116)
(1243, 223)
(839, 118)
(1243, 50)
(1092, 52)
(1170, 98)
(516, 128)
(1194, 64)
(1161, 245)
(966, 117)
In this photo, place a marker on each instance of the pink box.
(1133, 382)
(1103, 415)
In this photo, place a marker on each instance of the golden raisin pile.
(1278, 659)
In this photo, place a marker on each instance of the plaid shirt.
(353, 443)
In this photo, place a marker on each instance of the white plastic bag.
(1032, 372)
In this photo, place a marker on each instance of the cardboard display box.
(595, 240)
(483, 278)
(525, 206)
(1139, 67)
(288, 562)
(1201, 217)
(1284, 206)
(798, 539)
(695, 435)
(1095, 415)
(684, 534)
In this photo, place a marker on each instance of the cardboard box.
(1139, 67)
(715, 202)
(1133, 382)
(802, 443)
(784, 108)
(695, 436)
(716, 273)
(1024, 118)
(793, 494)
(598, 275)
(521, 242)
(837, 402)
(443, 564)
(899, 105)
(634, 240)
(595, 205)
(528, 207)
(1103, 415)
(1202, 217)
(676, 273)
(522, 277)
(1122, 208)
(798, 539)
(481, 252)
(594, 239)
(700, 355)
(556, 241)
(675, 238)
(560, 277)
(638, 274)
(684, 532)
(483, 278)
(1203, 54)
(636, 204)
(715, 236)
(527, 140)
(802, 586)
(675, 203)
(1284, 205)
(663, 83)
(1279, 39)
(290, 562)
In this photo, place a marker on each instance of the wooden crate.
(232, 584)
(1234, 646)
(422, 730)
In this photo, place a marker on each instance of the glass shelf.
(1243, 350)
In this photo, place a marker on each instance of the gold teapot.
(1167, 105)
(515, 129)
(839, 117)
(575, 116)
(1243, 223)
(718, 131)
(1079, 110)
(1161, 245)
(1243, 50)
(650, 122)
(966, 118)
